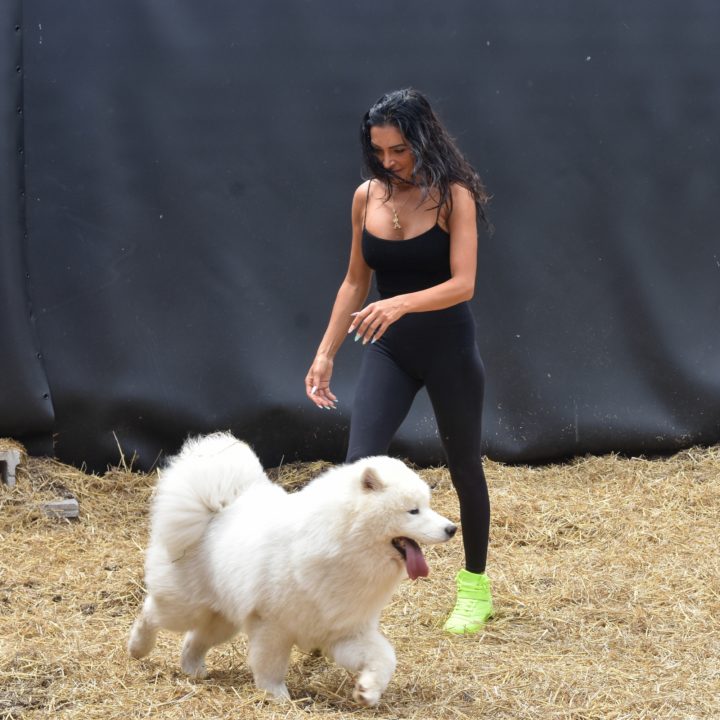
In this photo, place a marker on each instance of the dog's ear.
(371, 481)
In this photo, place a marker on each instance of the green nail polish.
(357, 336)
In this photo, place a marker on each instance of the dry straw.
(605, 574)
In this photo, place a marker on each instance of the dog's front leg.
(373, 658)
(268, 657)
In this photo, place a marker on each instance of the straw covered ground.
(605, 574)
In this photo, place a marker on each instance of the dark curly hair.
(438, 161)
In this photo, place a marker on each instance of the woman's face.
(392, 151)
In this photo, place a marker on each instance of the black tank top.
(404, 266)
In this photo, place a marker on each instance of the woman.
(415, 225)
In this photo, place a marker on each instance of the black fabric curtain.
(175, 218)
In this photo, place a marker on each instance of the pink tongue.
(415, 561)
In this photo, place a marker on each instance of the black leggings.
(437, 350)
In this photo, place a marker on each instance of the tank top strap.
(367, 200)
(437, 217)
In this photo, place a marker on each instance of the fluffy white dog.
(229, 550)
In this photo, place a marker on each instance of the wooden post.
(9, 460)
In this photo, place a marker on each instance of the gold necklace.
(395, 218)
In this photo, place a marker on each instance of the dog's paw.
(137, 649)
(278, 691)
(366, 695)
(140, 642)
(194, 668)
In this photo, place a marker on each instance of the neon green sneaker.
(474, 604)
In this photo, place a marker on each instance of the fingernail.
(357, 336)
(372, 342)
(313, 389)
(350, 329)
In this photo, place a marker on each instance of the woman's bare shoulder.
(360, 201)
(362, 190)
(360, 197)
(460, 194)
(462, 209)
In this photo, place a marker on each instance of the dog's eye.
(415, 511)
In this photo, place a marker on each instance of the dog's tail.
(205, 477)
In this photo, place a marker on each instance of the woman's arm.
(375, 319)
(350, 297)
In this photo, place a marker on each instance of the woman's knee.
(467, 475)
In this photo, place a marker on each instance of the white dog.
(229, 550)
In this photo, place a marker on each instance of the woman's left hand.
(373, 320)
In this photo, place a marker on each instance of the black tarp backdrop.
(25, 407)
(189, 170)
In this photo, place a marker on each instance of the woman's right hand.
(317, 383)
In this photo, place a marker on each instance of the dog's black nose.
(450, 530)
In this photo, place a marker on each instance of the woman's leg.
(455, 384)
(456, 390)
(383, 398)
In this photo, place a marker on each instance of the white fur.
(229, 550)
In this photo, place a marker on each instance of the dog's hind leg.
(268, 657)
(212, 630)
(144, 630)
(372, 657)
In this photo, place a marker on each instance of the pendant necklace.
(395, 218)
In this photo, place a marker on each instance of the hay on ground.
(605, 575)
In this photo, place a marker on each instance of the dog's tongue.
(415, 561)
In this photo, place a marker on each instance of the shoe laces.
(470, 607)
